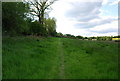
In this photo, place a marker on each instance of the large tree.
(39, 7)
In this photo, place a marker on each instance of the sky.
(86, 17)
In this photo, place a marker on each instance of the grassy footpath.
(61, 53)
(56, 58)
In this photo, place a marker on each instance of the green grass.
(56, 58)
(90, 59)
(31, 58)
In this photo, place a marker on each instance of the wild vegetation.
(57, 58)
(32, 49)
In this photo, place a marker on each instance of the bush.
(37, 29)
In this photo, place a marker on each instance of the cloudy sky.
(86, 17)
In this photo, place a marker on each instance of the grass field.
(58, 58)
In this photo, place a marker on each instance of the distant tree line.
(100, 38)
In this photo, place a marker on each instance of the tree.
(39, 7)
(13, 17)
(79, 37)
(59, 34)
(50, 25)
(85, 37)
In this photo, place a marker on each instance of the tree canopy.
(38, 8)
(17, 20)
(13, 16)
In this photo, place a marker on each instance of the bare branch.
(33, 10)
(38, 3)
(33, 14)
(36, 6)
(49, 4)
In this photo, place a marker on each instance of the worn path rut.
(61, 52)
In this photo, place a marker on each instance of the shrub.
(37, 29)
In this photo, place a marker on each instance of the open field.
(58, 58)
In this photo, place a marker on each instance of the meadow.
(58, 58)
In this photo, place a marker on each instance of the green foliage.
(70, 36)
(117, 36)
(93, 37)
(89, 38)
(79, 37)
(109, 38)
(16, 21)
(37, 29)
(13, 17)
(85, 38)
(59, 35)
(104, 38)
(50, 25)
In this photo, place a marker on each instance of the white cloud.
(107, 28)
(95, 22)
(115, 2)
(84, 11)
(105, 2)
(83, 17)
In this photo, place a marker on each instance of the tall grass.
(90, 59)
(30, 58)
(39, 58)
